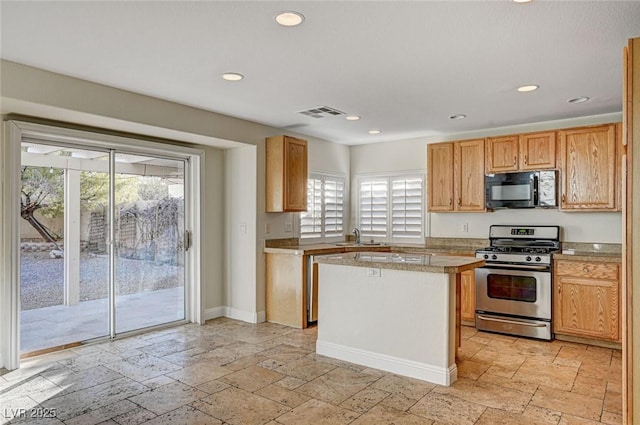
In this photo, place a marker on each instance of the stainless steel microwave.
(530, 189)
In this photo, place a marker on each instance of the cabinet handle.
(563, 198)
(559, 289)
(459, 201)
(450, 201)
(515, 160)
(586, 270)
(525, 160)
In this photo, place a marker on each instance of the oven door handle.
(516, 266)
(511, 322)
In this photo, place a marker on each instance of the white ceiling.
(404, 66)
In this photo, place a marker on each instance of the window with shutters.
(324, 218)
(391, 208)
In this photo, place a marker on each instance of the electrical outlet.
(288, 227)
(267, 228)
(374, 272)
(465, 227)
(243, 228)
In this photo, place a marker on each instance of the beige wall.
(212, 227)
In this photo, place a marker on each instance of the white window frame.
(390, 177)
(345, 207)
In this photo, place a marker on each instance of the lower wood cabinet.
(468, 295)
(286, 289)
(587, 299)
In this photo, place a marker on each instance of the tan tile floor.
(229, 372)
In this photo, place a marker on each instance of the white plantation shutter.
(373, 207)
(311, 220)
(325, 208)
(391, 208)
(406, 207)
(333, 207)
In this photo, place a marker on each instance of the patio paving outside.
(57, 325)
(149, 293)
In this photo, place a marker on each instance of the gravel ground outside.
(42, 278)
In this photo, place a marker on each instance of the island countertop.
(403, 261)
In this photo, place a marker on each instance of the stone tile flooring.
(230, 372)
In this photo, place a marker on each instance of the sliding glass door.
(149, 233)
(75, 284)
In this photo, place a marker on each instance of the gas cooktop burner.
(520, 249)
(521, 245)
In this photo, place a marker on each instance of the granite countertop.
(605, 257)
(403, 261)
(608, 253)
(323, 248)
(465, 247)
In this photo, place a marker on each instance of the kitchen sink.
(359, 244)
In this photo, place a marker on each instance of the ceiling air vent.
(321, 112)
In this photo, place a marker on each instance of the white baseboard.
(215, 312)
(412, 369)
(245, 316)
(234, 313)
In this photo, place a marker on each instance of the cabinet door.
(440, 184)
(295, 174)
(588, 168)
(502, 154)
(285, 289)
(537, 151)
(468, 171)
(468, 295)
(620, 152)
(587, 301)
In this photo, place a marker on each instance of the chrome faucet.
(356, 233)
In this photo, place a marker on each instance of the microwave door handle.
(535, 190)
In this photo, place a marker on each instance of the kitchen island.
(392, 311)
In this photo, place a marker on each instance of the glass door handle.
(187, 240)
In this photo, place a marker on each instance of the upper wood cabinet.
(440, 181)
(589, 168)
(587, 299)
(456, 176)
(532, 151)
(468, 175)
(502, 154)
(537, 151)
(286, 182)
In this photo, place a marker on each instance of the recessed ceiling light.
(232, 76)
(375, 131)
(352, 117)
(581, 99)
(528, 88)
(522, 1)
(458, 117)
(289, 18)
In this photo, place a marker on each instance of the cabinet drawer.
(607, 271)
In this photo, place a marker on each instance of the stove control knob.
(538, 259)
(486, 256)
(528, 258)
(494, 257)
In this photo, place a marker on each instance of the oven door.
(514, 291)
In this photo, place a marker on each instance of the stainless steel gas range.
(514, 288)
